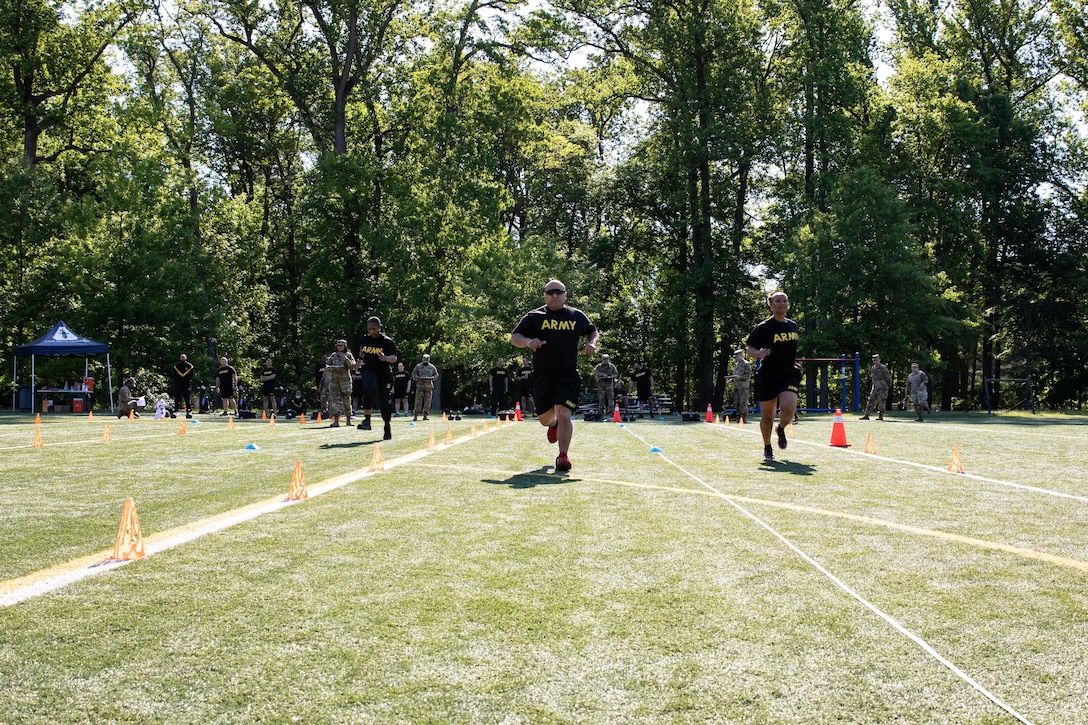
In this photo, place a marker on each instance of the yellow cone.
(449, 437)
(130, 542)
(230, 422)
(474, 431)
(431, 445)
(376, 460)
(298, 491)
(107, 437)
(870, 446)
(955, 465)
(790, 432)
(90, 415)
(727, 420)
(38, 443)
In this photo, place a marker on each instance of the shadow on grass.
(796, 469)
(543, 476)
(353, 444)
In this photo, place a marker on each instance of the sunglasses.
(554, 291)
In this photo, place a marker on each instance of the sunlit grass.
(473, 585)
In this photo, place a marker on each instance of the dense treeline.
(250, 179)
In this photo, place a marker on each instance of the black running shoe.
(782, 442)
(365, 425)
(388, 433)
(768, 453)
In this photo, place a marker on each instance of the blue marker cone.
(655, 449)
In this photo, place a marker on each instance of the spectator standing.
(497, 384)
(424, 375)
(267, 378)
(741, 379)
(878, 395)
(606, 374)
(226, 384)
(182, 374)
(339, 366)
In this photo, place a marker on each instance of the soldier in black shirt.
(778, 380)
(554, 332)
(496, 383)
(182, 373)
(376, 353)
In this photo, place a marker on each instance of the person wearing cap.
(423, 375)
(741, 379)
(606, 374)
(554, 332)
(644, 387)
(339, 365)
(778, 380)
(878, 396)
(917, 390)
(267, 375)
(127, 404)
(376, 354)
(497, 384)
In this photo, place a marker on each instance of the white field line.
(894, 623)
(860, 452)
(32, 585)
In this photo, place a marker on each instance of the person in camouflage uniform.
(423, 375)
(917, 390)
(741, 379)
(339, 365)
(878, 396)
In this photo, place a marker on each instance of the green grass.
(472, 585)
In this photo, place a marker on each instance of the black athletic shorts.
(551, 389)
(770, 388)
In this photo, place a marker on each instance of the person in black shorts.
(226, 383)
(376, 353)
(554, 333)
(773, 343)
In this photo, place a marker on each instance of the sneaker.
(864, 417)
(553, 434)
(388, 433)
(562, 463)
(782, 442)
(768, 453)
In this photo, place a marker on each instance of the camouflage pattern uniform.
(878, 396)
(339, 366)
(742, 376)
(423, 375)
(606, 374)
(918, 390)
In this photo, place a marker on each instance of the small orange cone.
(131, 414)
(107, 437)
(474, 432)
(302, 419)
(740, 422)
(376, 460)
(485, 427)
(38, 443)
(181, 428)
(298, 491)
(517, 411)
(444, 418)
(130, 542)
(271, 420)
(264, 415)
(955, 465)
(230, 422)
(90, 415)
(709, 414)
(37, 419)
(727, 421)
(790, 432)
(431, 445)
(616, 414)
(718, 419)
(838, 432)
(870, 446)
(449, 437)
(318, 417)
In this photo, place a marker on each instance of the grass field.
(471, 584)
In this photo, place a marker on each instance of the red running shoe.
(562, 463)
(553, 434)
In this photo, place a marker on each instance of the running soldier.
(376, 354)
(917, 391)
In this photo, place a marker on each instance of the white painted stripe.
(925, 646)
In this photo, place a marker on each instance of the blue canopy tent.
(60, 341)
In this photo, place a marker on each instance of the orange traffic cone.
(486, 429)
(444, 417)
(181, 428)
(870, 446)
(90, 415)
(38, 443)
(727, 420)
(616, 414)
(376, 463)
(448, 440)
(271, 420)
(302, 419)
(264, 415)
(431, 445)
(474, 432)
(230, 422)
(131, 414)
(838, 432)
(107, 437)
(790, 432)
(517, 412)
(37, 419)
(718, 419)
(709, 414)
(298, 491)
(955, 465)
(130, 542)
(318, 417)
